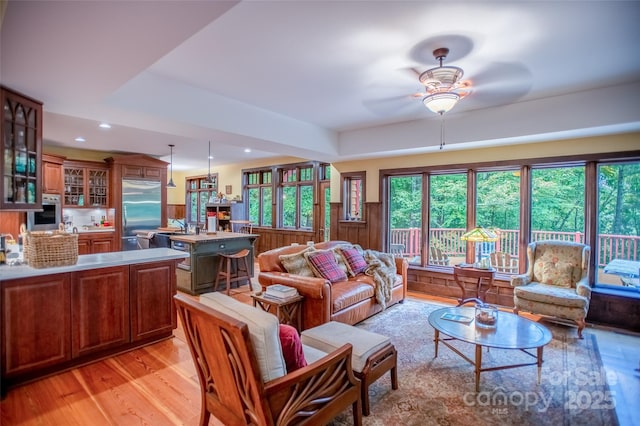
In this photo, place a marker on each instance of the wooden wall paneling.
(176, 211)
(10, 222)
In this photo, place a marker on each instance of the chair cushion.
(551, 294)
(296, 263)
(354, 260)
(291, 348)
(330, 336)
(263, 330)
(312, 354)
(325, 265)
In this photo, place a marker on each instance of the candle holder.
(486, 315)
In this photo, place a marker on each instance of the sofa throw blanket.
(382, 267)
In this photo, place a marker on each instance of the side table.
(288, 311)
(479, 274)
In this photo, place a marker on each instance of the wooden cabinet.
(96, 242)
(54, 322)
(86, 184)
(152, 284)
(225, 212)
(141, 172)
(21, 153)
(52, 175)
(36, 324)
(99, 310)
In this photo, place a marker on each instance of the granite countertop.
(204, 237)
(95, 261)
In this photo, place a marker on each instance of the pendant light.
(171, 184)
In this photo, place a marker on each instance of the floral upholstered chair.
(556, 281)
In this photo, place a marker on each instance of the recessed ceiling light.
(80, 139)
(104, 125)
(247, 150)
(210, 157)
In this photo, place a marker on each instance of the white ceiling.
(322, 80)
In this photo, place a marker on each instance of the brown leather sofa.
(348, 301)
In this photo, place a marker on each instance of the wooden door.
(36, 326)
(99, 309)
(153, 286)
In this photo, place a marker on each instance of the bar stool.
(225, 271)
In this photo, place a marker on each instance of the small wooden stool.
(227, 273)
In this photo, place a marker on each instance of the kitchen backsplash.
(87, 217)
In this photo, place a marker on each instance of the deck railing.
(448, 241)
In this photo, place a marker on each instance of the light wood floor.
(157, 385)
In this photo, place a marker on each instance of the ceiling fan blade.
(392, 105)
(498, 84)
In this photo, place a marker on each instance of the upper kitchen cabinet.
(86, 184)
(21, 154)
(52, 179)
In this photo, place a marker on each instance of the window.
(353, 195)
(199, 190)
(618, 247)
(259, 197)
(557, 204)
(405, 216)
(593, 200)
(297, 197)
(447, 219)
(498, 208)
(295, 200)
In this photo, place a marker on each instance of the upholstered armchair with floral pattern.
(556, 282)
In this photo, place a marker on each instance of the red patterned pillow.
(325, 265)
(291, 348)
(354, 260)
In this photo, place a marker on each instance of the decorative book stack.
(281, 292)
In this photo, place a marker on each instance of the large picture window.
(592, 201)
(498, 208)
(557, 204)
(618, 251)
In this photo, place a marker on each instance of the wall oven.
(49, 217)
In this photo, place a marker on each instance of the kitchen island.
(198, 272)
(60, 317)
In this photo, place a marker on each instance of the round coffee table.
(510, 332)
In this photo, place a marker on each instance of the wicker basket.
(44, 249)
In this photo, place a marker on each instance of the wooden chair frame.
(231, 384)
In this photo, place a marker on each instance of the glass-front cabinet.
(20, 162)
(86, 184)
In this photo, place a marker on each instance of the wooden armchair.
(232, 385)
(437, 257)
(504, 262)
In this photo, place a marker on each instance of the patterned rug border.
(574, 387)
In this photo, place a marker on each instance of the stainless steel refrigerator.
(141, 209)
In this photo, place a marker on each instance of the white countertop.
(94, 261)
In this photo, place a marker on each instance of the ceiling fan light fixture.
(443, 77)
(441, 102)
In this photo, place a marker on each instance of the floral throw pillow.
(296, 263)
(325, 265)
(558, 273)
(354, 259)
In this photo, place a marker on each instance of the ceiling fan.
(211, 180)
(443, 85)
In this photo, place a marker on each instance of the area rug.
(574, 387)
